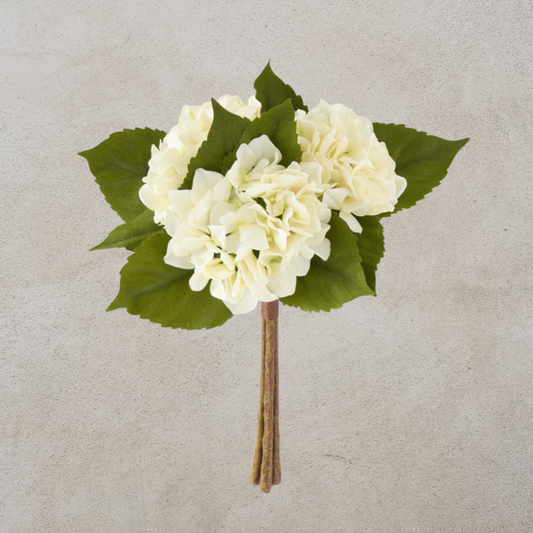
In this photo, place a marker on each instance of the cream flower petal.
(180, 201)
(264, 148)
(218, 213)
(246, 304)
(203, 181)
(198, 282)
(352, 222)
(254, 236)
(218, 234)
(323, 250)
(300, 266)
(217, 289)
(401, 184)
(178, 261)
(334, 198)
(283, 283)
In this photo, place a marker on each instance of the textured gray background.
(411, 412)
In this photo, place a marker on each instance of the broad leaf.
(330, 284)
(280, 126)
(222, 139)
(422, 159)
(371, 244)
(130, 234)
(271, 91)
(160, 293)
(119, 164)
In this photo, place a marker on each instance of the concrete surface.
(407, 413)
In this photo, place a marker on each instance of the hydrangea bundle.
(254, 201)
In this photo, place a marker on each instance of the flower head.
(252, 232)
(353, 161)
(169, 162)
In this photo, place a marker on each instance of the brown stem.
(258, 452)
(266, 467)
(268, 428)
(276, 476)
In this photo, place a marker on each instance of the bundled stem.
(266, 467)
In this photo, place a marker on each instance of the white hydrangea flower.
(352, 159)
(169, 162)
(252, 232)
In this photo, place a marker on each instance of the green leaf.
(119, 164)
(422, 159)
(280, 126)
(130, 234)
(371, 244)
(222, 139)
(271, 91)
(330, 284)
(160, 293)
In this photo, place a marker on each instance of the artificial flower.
(169, 162)
(356, 165)
(252, 232)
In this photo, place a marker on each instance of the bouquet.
(254, 201)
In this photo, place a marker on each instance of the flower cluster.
(251, 232)
(352, 159)
(169, 162)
